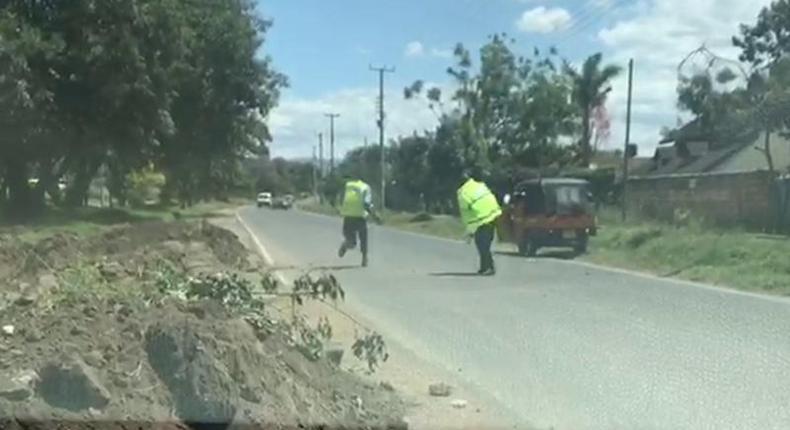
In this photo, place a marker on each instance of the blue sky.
(325, 48)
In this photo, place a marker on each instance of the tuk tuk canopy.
(562, 196)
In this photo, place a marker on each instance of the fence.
(740, 199)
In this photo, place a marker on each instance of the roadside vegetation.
(691, 250)
(90, 220)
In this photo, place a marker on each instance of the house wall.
(728, 199)
(750, 158)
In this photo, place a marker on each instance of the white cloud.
(658, 38)
(417, 49)
(414, 49)
(543, 20)
(296, 121)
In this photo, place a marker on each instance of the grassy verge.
(86, 221)
(434, 225)
(735, 259)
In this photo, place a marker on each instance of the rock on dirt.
(14, 391)
(202, 390)
(440, 390)
(459, 403)
(71, 384)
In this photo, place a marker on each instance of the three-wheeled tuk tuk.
(549, 212)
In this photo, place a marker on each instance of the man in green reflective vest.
(357, 204)
(479, 212)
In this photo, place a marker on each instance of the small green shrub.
(641, 236)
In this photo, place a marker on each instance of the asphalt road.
(562, 344)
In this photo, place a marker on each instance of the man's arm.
(367, 200)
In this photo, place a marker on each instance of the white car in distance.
(264, 199)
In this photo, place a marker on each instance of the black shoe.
(342, 251)
(365, 261)
(488, 272)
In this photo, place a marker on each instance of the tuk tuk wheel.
(581, 244)
(527, 248)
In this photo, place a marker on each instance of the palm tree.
(590, 88)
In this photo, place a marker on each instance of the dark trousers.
(484, 236)
(354, 227)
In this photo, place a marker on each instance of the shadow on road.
(552, 254)
(454, 274)
(339, 267)
(314, 268)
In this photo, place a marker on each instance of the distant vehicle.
(547, 213)
(283, 202)
(264, 199)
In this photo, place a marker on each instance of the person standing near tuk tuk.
(479, 210)
(357, 203)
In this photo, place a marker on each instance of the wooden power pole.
(627, 146)
(381, 71)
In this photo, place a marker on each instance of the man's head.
(473, 172)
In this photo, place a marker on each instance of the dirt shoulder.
(160, 324)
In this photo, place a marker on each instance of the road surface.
(562, 344)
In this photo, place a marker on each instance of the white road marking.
(267, 258)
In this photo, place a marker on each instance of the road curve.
(561, 344)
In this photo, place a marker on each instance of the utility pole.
(320, 155)
(627, 136)
(381, 71)
(315, 173)
(332, 117)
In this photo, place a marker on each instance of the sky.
(326, 47)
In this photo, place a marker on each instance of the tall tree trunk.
(20, 202)
(586, 151)
(77, 193)
(769, 159)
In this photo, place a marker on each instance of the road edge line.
(722, 289)
(262, 251)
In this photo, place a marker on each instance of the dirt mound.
(20, 261)
(124, 359)
(179, 361)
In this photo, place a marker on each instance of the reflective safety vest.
(354, 199)
(477, 204)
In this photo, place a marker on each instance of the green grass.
(86, 221)
(694, 252)
(434, 225)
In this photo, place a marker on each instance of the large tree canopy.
(125, 84)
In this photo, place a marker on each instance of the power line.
(586, 21)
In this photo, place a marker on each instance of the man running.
(357, 204)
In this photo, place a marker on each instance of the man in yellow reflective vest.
(479, 212)
(357, 204)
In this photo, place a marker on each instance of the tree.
(590, 89)
(766, 42)
(115, 85)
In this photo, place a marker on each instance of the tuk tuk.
(548, 212)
